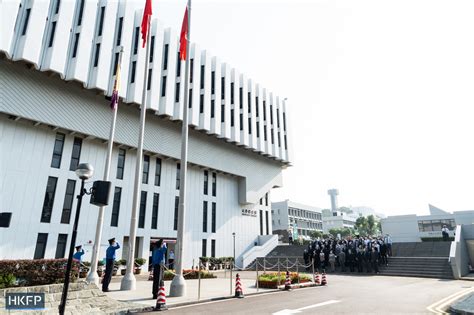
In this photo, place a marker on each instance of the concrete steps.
(429, 267)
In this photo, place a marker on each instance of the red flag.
(146, 20)
(183, 40)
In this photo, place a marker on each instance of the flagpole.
(129, 280)
(93, 277)
(178, 285)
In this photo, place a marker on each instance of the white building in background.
(339, 220)
(57, 61)
(412, 227)
(300, 218)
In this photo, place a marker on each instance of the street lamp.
(233, 235)
(84, 171)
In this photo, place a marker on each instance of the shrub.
(122, 262)
(38, 271)
(190, 274)
(140, 261)
(7, 281)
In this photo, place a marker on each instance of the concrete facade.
(291, 215)
(338, 220)
(411, 228)
(53, 115)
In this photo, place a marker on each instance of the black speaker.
(5, 218)
(100, 193)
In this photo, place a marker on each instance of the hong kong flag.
(146, 21)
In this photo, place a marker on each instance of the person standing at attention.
(171, 259)
(158, 261)
(78, 254)
(109, 265)
(445, 232)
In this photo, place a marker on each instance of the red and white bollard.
(323, 280)
(316, 279)
(288, 281)
(238, 287)
(161, 300)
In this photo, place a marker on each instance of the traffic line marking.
(438, 307)
(289, 312)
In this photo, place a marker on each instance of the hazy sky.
(380, 93)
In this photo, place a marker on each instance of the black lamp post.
(84, 171)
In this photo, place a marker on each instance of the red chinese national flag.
(146, 20)
(183, 40)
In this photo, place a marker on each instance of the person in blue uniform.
(78, 254)
(109, 263)
(158, 261)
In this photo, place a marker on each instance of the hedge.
(190, 274)
(39, 271)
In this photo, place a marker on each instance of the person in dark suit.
(350, 259)
(109, 265)
(367, 259)
(158, 261)
(375, 259)
(360, 259)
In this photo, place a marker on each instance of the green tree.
(345, 209)
(361, 225)
(316, 234)
(371, 225)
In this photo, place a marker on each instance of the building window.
(76, 44)
(250, 126)
(58, 3)
(204, 216)
(191, 70)
(152, 48)
(176, 93)
(232, 117)
(222, 113)
(271, 114)
(81, 11)
(142, 214)
(204, 248)
(76, 153)
(25, 24)
(119, 32)
(241, 98)
(278, 117)
(97, 52)
(264, 111)
(41, 242)
(261, 222)
(165, 57)
(178, 173)
(265, 133)
(261, 201)
(213, 218)
(249, 101)
(267, 223)
(154, 213)
(163, 86)
(286, 146)
(206, 182)
(146, 168)
(61, 246)
(116, 60)
(150, 72)
(232, 92)
(279, 140)
(132, 75)
(213, 248)
(101, 21)
(190, 103)
(135, 40)
(201, 103)
(49, 200)
(202, 77)
(223, 88)
(213, 82)
(116, 206)
(158, 172)
(58, 150)
(178, 66)
(241, 120)
(284, 121)
(51, 37)
(256, 106)
(121, 163)
(214, 184)
(258, 129)
(271, 135)
(68, 200)
(213, 108)
(176, 207)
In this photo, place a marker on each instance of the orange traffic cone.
(288, 281)
(323, 280)
(161, 300)
(316, 279)
(238, 287)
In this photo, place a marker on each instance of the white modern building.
(414, 228)
(57, 60)
(299, 218)
(339, 220)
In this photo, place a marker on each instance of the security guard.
(78, 254)
(109, 265)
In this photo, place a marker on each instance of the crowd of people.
(350, 254)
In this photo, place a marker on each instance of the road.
(343, 295)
